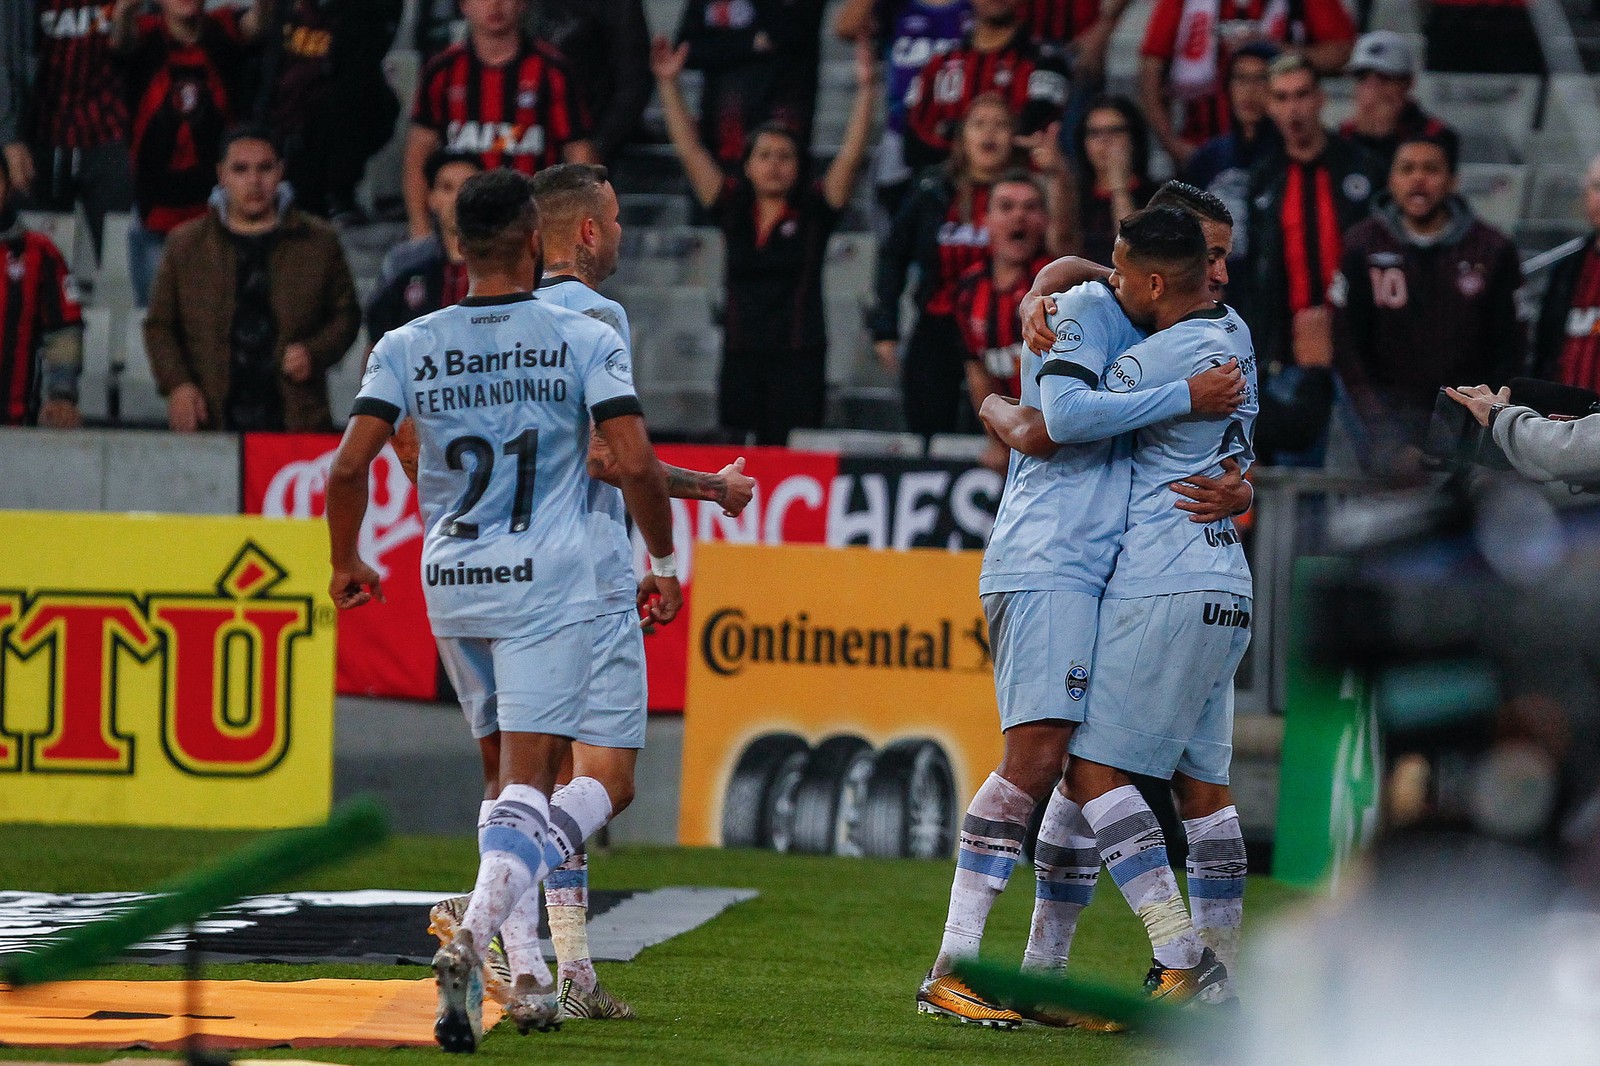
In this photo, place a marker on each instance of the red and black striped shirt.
(185, 96)
(36, 298)
(1312, 242)
(519, 114)
(987, 315)
(80, 94)
(1034, 84)
(1580, 353)
(963, 242)
(1057, 21)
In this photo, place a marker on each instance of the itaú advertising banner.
(841, 701)
(385, 649)
(164, 671)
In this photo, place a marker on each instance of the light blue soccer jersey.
(502, 391)
(608, 514)
(1163, 552)
(1060, 518)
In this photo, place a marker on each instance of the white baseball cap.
(1383, 52)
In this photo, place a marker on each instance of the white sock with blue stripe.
(1216, 881)
(1135, 852)
(577, 811)
(1066, 865)
(511, 846)
(991, 841)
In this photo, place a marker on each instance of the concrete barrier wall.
(119, 470)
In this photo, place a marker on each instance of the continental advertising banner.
(164, 671)
(839, 702)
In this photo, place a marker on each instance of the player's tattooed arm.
(1213, 499)
(1037, 307)
(730, 486)
(1017, 427)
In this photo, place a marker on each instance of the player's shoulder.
(1094, 300)
(579, 330)
(574, 295)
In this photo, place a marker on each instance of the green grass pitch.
(821, 968)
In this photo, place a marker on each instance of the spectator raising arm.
(855, 21)
(1157, 107)
(705, 177)
(840, 180)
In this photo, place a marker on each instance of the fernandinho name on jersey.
(450, 395)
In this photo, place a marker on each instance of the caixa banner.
(164, 671)
(824, 718)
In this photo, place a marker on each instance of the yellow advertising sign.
(164, 670)
(840, 700)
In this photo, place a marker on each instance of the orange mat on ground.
(232, 1014)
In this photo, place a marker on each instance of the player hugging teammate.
(1118, 612)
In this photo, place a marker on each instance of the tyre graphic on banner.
(842, 797)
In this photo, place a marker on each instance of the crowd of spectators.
(237, 137)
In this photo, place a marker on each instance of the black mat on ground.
(372, 926)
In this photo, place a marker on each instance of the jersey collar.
(496, 301)
(557, 279)
(1219, 311)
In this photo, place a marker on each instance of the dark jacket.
(186, 331)
(913, 241)
(1294, 411)
(16, 66)
(607, 43)
(1410, 317)
(1550, 332)
(1414, 122)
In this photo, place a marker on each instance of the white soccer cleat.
(443, 922)
(534, 1006)
(458, 973)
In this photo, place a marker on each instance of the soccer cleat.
(596, 1003)
(1181, 986)
(458, 973)
(533, 1006)
(949, 997)
(443, 921)
(1058, 1018)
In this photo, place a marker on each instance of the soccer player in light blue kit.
(503, 389)
(1174, 620)
(582, 233)
(1051, 552)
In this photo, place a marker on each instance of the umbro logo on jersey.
(428, 370)
(489, 320)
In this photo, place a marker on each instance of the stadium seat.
(139, 401)
(847, 289)
(675, 343)
(1496, 192)
(94, 384)
(683, 408)
(113, 286)
(857, 442)
(62, 229)
(961, 446)
(1493, 113)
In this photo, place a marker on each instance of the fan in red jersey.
(499, 95)
(41, 327)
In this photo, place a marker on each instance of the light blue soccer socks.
(1135, 852)
(1066, 865)
(991, 842)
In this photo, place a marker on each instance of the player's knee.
(1198, 799)
(621, 793)
(1034, 772)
